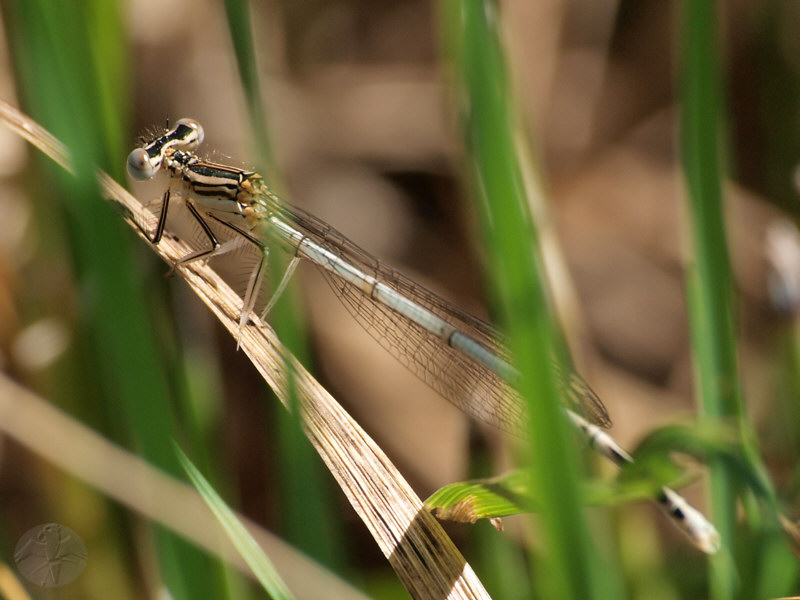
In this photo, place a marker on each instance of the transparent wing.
(464, 382)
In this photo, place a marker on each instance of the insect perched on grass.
(460, 356)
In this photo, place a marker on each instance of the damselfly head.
(145, 161)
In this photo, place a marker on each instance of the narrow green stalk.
(572, 569)
(70, 62)
(310, 521)
(245, 543)
(238, 13)
(709, 279)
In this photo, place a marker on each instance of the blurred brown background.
(367, 137)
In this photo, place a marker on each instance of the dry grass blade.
(424, 558)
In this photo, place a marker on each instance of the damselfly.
(460, 356)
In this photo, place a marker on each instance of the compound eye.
(139, 165)
(199, 134)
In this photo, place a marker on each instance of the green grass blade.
(252, 553)
(309, 520)
(70, 61)
(515, 493)
(709, 283)
(490, 129)
(241, 30)
(468, 501)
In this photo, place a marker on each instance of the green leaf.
(707, 443)
(468, 501)
(514, 493)
(247, 546)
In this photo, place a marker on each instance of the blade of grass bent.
(247, 546)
